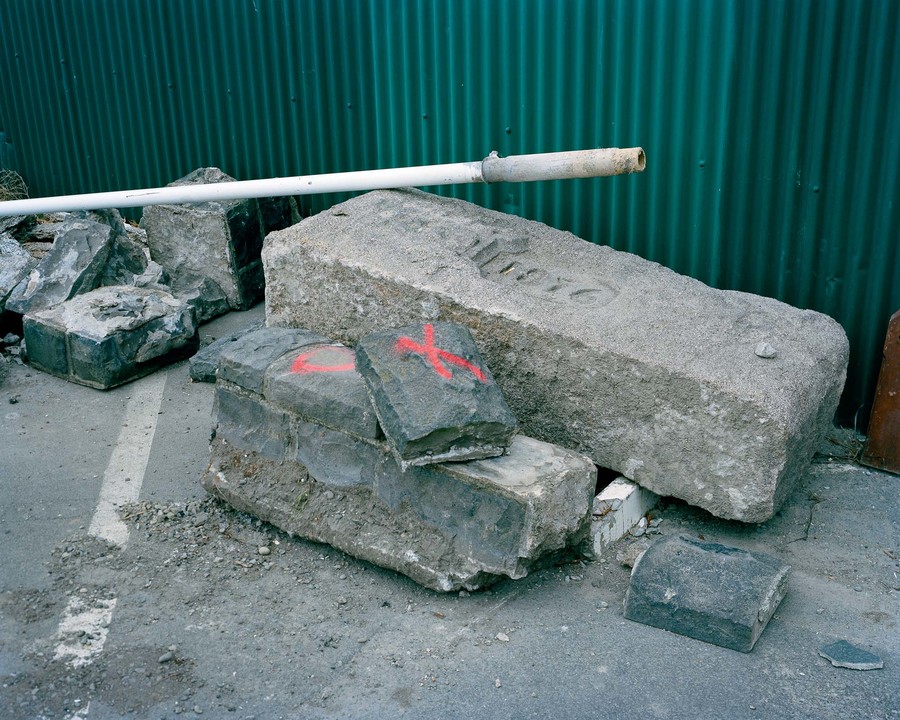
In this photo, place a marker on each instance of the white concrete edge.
(617, 509)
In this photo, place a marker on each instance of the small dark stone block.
(244, 361)
(320, 382)
(845, 655)
(707, 591)
(434, 395)
(111, 335)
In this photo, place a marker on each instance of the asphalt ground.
(166, 608)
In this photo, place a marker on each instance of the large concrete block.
(111, 335)
(707, 591)
(434, 396)
(646, 371)
(218, 242)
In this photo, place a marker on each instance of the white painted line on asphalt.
(83, 629)
(128, 463)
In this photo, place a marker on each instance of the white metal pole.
(522, 168)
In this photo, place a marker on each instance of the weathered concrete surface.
(211, 248)
(435, 398)
(15, 264)
(646, 371)
(707, 591)
(74, 264)
(110, 336)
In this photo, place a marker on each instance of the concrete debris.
(450, 526)
(128, 258)
(110, 336)
(618, 508)
(435, 398)
(648, 372)
(843, 654)
(707, 591)
(15, 265)
(209, 249)
(74, 264)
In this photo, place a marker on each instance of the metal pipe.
(517, 168)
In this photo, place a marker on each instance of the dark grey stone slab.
(718, 594)
(335, 457)
(74, 264)
(646, 371)
(320, 383)
(244, 421)
(434, 395)
(843, 654)
(244, 361)
(204, 363)
(111, 335)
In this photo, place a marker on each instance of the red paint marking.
(434, 355)
(302, 364)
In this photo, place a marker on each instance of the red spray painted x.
(434, 355)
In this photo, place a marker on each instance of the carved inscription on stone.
(506, 261)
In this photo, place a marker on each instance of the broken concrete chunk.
(217, 241)
(434, 395)
(843, 654)
(127, 260)
(650, 373)
(320, 383)
(707, 591)
(244, 361)
(15, 264)
(204, 363)
(74, 264)
(110, 336)
(618, 508)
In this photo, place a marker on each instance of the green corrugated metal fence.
(771, 126)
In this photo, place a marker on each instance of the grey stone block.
(244, 362)
(320, 383)
(718, 594)
(204, 363)
(648, 372)
(217, 242)
(434, 396)
(73, 265)
(15, 264)
(471, 524)
(110, 336)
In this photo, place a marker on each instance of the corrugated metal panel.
(770, 126)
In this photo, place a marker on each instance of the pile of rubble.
(101, 302)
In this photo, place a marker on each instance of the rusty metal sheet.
(883, 446)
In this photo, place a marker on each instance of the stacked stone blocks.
(297, 443)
